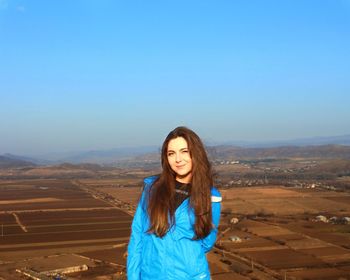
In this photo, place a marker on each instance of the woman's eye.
(170, 154)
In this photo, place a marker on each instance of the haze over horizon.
(97, 75)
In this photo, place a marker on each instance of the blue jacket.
(176, 255)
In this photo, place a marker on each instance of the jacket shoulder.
(150, 179)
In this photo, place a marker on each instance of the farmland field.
(48, 217)
(90, 219)
(278, 230)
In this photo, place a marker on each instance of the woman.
(176, 221)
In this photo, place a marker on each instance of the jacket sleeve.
(209, 241)
(135, 243)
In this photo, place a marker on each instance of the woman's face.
(179, 159)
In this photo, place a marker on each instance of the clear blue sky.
(86, 75)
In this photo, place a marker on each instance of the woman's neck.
(184, 179)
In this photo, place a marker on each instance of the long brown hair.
(161, 199)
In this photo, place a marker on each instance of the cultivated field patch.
(283, 201)
(319, 274)
(32, 200)
(283, 259)
(44, 196)
(129, 195)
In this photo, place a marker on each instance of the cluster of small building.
(225, 162)
(246, 182)
(320, 185)
(56, 274)
(234, 238)
(308, 185)
(333, 220)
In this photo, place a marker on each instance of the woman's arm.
(209, 241)
(138, 230)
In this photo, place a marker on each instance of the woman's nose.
(178, 157)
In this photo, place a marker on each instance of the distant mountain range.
(108, 156)
(10, 161)
(104, 157)
(312, 141)
(322, 151)
(328, 147)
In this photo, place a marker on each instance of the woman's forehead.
(177, 143)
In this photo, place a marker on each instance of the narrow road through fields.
(58, 210)
(80, 224)
(19, 222)
(72, 242)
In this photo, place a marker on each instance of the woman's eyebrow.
(181, 149)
